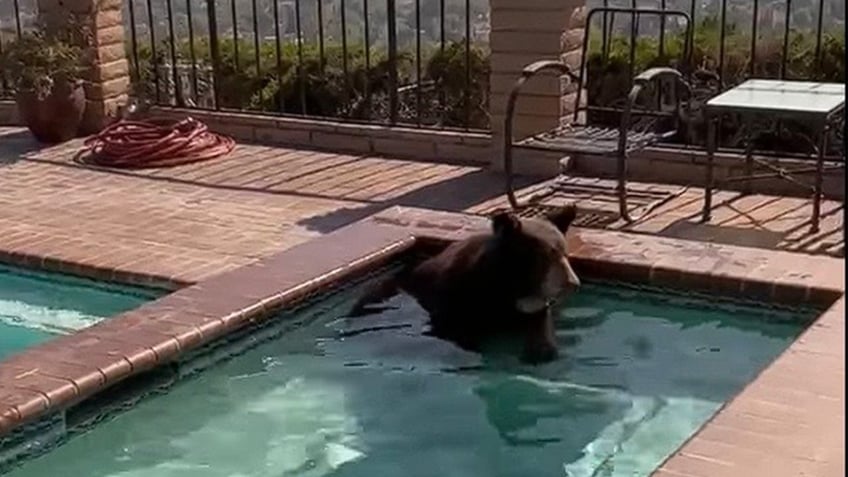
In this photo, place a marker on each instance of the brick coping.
(56, 375)
(91, 271)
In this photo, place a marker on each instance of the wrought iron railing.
(425, 62)
(416, 62)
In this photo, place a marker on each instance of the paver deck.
(193, 221)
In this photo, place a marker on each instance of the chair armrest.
(660, 72)
(541, 65)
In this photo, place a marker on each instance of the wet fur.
(471, 289)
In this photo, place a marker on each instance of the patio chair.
(658, 115)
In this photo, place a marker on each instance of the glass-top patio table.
(820, 105)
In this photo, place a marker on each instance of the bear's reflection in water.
(519, 419)
(637, 374)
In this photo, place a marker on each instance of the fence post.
(524, 31)
(214, 51)
(391, 18)
(107, 78)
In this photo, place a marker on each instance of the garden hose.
(147, 144)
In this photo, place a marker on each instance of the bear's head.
(532, 254)
(533, 260)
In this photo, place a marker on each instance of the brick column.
(107, 79)
(524, 31)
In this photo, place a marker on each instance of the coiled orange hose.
(143, 144)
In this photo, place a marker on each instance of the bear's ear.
(505, 223)
(562, 217)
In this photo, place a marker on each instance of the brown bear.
(499, 283)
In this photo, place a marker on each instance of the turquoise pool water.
(35, 307)
(639, 372)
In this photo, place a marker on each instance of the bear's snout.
(560, 277)
(571, 278)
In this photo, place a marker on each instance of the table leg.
(749, 153)
(708, 185)
(814, 228)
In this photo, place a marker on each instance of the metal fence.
(785, 39)
(413, 62)
(425, 63)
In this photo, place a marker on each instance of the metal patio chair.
(666, 83)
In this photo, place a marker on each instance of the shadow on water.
(376, 396)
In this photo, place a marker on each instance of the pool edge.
(90, 271)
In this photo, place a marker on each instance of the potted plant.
(45, 71)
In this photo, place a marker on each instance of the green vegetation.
(322, 86)
(37, 61)
(800, 61)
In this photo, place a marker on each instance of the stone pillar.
(524, 31)
(107, 78)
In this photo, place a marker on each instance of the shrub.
(39, 59)
(305, 82)
(448, 70)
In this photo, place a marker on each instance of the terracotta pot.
(57, 117)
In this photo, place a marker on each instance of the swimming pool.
(317, 395)
(35, 306)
